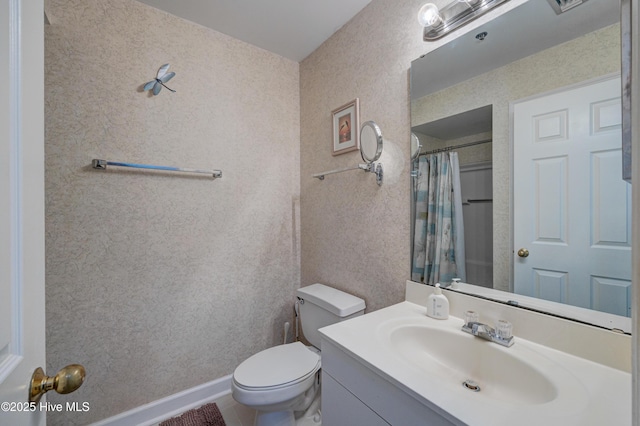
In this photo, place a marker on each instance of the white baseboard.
(171, 406)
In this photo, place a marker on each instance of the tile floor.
(235, 414)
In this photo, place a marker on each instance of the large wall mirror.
(520, 119)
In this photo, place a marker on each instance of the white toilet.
(282, 383)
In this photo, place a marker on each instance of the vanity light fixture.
(429, 15)
(440, 22)
(561, 6)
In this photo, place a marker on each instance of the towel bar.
(102, 165)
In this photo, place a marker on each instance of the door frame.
(23, 140)
(631, 12)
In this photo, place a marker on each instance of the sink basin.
(465, 359)
(428, 360)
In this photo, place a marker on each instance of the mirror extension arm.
(370, 149)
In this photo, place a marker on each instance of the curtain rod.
(449, 148)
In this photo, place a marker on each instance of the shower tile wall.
(159, 282)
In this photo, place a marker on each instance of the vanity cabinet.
(399, 367)
(341, 407)
(353, 394)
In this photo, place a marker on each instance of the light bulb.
(429, 15)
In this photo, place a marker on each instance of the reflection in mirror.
(541, 89)
(447, 137)
(415, 147)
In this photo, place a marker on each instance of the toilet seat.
(277, 367)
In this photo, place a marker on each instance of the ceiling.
(460, 125)
(289, 28)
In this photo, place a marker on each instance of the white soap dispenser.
(438, 304)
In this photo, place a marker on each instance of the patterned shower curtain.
(438, 252)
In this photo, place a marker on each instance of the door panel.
(550, 205)
(610, 228)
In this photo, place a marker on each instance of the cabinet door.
(340, 407)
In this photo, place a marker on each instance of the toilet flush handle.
(296, 308)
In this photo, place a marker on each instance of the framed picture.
(346, 126)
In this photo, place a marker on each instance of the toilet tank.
(321, 305)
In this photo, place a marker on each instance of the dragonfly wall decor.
(159, 82)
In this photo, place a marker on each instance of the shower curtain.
(438, 252)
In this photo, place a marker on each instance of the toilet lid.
(277, 366)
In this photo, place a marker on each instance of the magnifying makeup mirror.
(370, 142)
(371, 149)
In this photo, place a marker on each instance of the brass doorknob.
(66, 380)
(523, 252)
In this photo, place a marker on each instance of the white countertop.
(588, 394)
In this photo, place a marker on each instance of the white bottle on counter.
(438, 304)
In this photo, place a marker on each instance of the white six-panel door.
(22, 333)
(571, 208)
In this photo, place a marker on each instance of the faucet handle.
(504, 329)
(471, 316)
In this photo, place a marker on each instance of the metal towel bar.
(102, 165)
(369, 167)
(469, 201)
(346, 169)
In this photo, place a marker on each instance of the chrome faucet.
(483, 331)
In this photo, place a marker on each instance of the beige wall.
(355, 235)
(158, 282)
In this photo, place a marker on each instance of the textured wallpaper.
(355, 234)
(158, 282)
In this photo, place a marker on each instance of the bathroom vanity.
(397, 366)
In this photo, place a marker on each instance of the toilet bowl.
(277, 382)
(282, 383)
